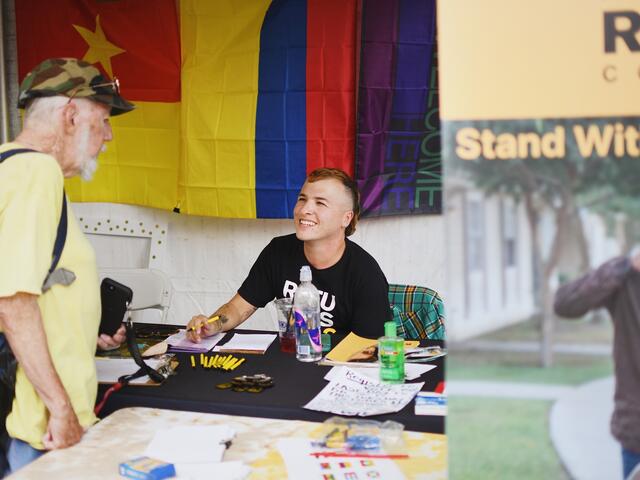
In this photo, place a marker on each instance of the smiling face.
(323, 211)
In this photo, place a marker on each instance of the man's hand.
(231, 314)
(21, 322)
(197, 328)
(63, 430)
(106, 342)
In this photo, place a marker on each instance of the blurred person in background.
(615, 285)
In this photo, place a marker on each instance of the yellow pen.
(238, 364)
(210, 320)
(221, 360)
(193, 361)
(229, 362)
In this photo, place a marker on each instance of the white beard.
(89, 168)
(89, 164)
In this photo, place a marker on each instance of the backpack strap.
(61, 233)
(11, 153)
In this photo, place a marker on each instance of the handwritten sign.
(353, 394)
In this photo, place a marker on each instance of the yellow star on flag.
(100, 49)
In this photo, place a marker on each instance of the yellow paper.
(353, 344)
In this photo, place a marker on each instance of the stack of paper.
(110, 369)
(197, 451)
(190, 444)
(180, 343)
(247, 343)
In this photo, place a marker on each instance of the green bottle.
(391, 355)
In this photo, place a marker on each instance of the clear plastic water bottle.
(306, 311)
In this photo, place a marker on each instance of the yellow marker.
(193, 361)
(202, 359)
(229, 362)
(211, 362)
(238, 364)
(235, 364)
(210, 320)
(221, 360)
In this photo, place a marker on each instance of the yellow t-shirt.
(30, 206)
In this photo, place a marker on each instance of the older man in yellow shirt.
(51, 328)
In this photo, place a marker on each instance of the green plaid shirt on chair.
(417, 311)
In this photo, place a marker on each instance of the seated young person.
(353, 289)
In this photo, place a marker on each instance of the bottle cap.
(305, 273)
(390, 329)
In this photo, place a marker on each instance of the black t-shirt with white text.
(353, 292)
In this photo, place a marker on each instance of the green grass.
(509, 438)
(502, 439)
(523, 367)
(594, 328)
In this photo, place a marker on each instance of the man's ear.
(346, 220)
(69, 114)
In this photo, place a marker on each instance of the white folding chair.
(151, 290)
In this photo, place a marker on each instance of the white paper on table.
(108, 370)
(209, 470)
(411, 371)
(180, 342)
(416, 370)
(301, 465)
(190, 444)
(258, 342)
(351, 393)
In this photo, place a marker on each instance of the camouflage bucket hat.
(72, 78)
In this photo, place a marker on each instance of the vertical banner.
(542, 109)
(398, 165)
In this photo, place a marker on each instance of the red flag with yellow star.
(139, 43)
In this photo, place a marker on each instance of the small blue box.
(145, 468)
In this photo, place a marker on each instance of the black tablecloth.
(296, 383)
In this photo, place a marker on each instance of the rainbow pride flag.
(239, 100)
(398, 165)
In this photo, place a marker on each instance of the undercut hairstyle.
(350, 186)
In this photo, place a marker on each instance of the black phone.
(115, 298)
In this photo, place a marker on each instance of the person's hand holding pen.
(202, 326)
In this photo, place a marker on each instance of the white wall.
(208, 258)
